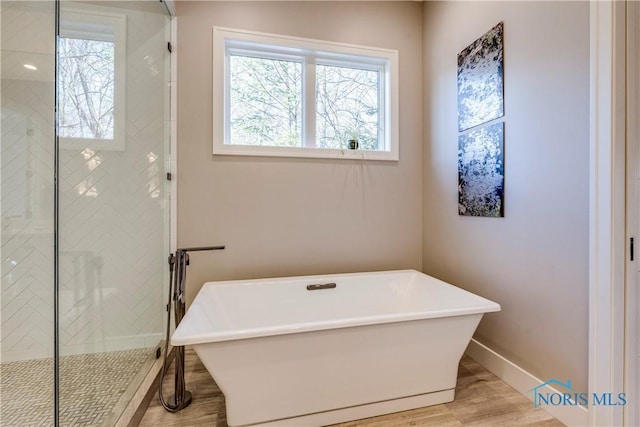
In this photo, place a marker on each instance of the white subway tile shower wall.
(110, 280)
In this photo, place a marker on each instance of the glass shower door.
(113, 74)
(27, 135)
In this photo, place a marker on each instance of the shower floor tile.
(91, 385)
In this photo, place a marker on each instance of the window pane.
(86, 85)
(346, 107)
(265, 102)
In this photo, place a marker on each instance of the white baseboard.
(523, 382)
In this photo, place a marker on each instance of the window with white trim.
(286, 96)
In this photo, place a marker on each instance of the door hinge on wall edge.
(169, 176)
(169, 47)
(631, 249)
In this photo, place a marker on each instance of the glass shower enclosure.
(84, 202)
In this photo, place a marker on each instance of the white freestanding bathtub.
(375, 343)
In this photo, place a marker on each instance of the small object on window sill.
(353, 144)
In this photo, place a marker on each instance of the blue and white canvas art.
(481, 80)
(481, 171)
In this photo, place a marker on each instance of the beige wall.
(281, 216)
(534, 262)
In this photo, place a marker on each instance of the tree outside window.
(86, 82)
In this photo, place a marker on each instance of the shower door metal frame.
(56, 241)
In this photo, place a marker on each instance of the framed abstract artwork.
(481, 171)
(481, 80)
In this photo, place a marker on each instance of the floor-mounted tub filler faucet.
(178, 263)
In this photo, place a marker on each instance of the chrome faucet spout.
(201, 248)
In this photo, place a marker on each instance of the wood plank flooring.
(481, 400)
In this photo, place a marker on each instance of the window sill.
(314, 153)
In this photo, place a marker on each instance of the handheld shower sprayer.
(178, 263)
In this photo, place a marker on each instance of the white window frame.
(87, 25)
(310, 52)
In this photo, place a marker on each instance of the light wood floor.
(481, 400)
